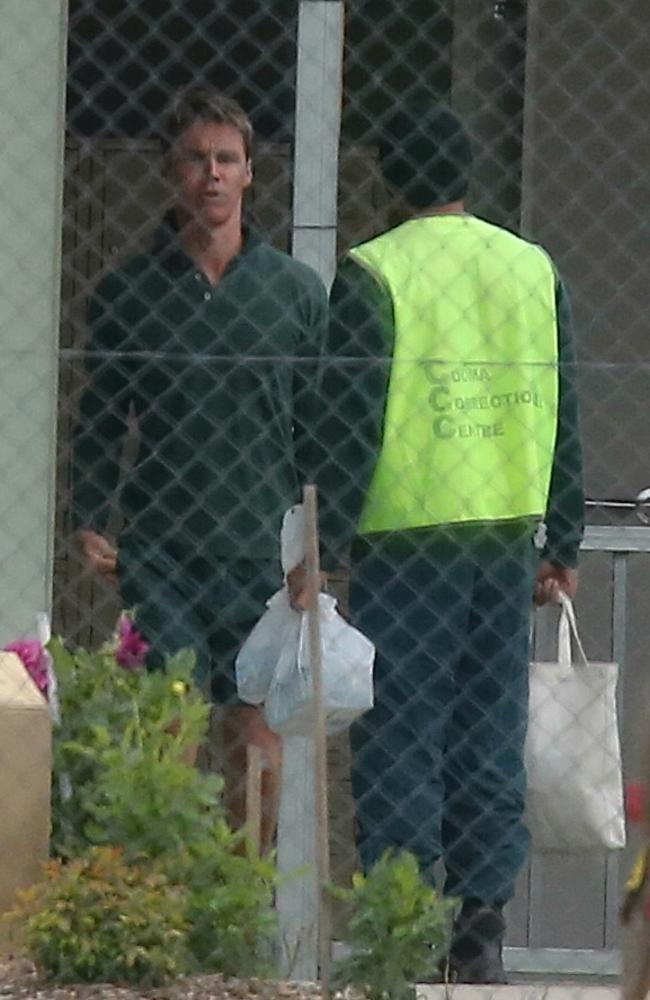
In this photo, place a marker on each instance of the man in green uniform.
(209, 340)
(451, 360)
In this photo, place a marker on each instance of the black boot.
(477, 944)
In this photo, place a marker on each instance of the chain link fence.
(199, 388)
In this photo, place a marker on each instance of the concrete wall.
(586, 191)
(585, 196)
(32, 80)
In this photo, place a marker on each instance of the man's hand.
(551, 580)
(99, 553)
(297, 586)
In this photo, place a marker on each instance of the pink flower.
(34, 659)
(131, 651)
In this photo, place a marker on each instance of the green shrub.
(230, 912)
(125, 778)
(398, 929)
(114, 719)
(99, 919)
(149, 800)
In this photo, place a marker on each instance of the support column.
(32, 85)
(318, 126)
(318, 123)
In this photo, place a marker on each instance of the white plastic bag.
(273, 664)
(573, 756)
(347, 662)
(276, 632)
(278, 628)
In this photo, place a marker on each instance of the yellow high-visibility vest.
(471, 411)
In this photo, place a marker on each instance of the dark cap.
(425, 154)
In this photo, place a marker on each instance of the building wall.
(32, 74)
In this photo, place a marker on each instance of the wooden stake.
(312, 566)
(254, 796)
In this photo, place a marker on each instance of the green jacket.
(219, 379)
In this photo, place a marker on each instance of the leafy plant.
(121, 720)
(148, 803)
(151, 882)
(100, 919)
(230, 911)
(398, 929)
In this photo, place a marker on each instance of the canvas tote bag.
(573, 755)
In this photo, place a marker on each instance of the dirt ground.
(19, 981)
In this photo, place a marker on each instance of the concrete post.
(32, 85)
(318, 124)
(318, 119)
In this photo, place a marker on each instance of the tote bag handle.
(567, 628)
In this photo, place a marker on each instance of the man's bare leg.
(244, 726)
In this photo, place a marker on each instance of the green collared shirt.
(219, 378)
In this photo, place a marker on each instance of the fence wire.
(463, 386)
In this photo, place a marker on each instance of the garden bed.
(19, 981)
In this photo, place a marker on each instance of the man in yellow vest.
(452, 433)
